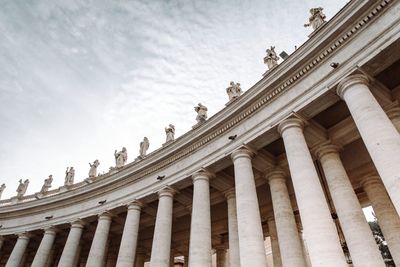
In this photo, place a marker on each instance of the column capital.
(51, 230)
(289, 123)
(105, 215)
(243, 151)
(393, 112)
(371, 180)
(166, 192)
(324, 149)
(275, 174)
(348, 81)
(78, 224)
(202, 174)
(134, 205)
(230, 193)
(24, 235)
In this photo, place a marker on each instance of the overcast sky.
(82, 78)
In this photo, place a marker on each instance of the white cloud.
(82, 78)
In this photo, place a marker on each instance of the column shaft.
(70, 252)
(97, 250)
(386, 214)
(221, 257)
(320, 231)
(276, 254)
(127, 249)
(45, 247)
(161, 248)
(380, 137)
(251, 236)
(359, 238)
(18, 251)
(200, 228)
(289, 241)
(234, 253)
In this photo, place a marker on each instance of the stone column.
(358, 235)
(377, 131)
(18, 251)
(1, 241)
(289, 241)
(319, 228)
(127, 249)
(221, 256)
(234, 253)
(45, 247)
(276, 254)
(97, 250)
(200, 228)
(70, 251)
(388, 219)
(140, 258)
(161, 248)
(251, 236)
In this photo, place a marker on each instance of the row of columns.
(246, 239)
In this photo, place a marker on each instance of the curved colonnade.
(314, 144)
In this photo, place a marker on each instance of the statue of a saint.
(144, 146)
(170, 133)
(317, 18)
(69, 176)
(93, 168)
(271, 59)
(21, 190)
(234, 91)
(2, 187)
(201, 113)
(47, 184)
(120, 157)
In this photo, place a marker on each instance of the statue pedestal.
(15, 200)
(167, 143)
(198, 124)
(231, 101)
(316, 30)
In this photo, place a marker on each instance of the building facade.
(295, 159)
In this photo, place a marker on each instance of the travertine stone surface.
(70, 251)
(377, 131)
(276, 253)
(161, 248)
(200, 227)
(358, 235)
(17, 254)
(319, 228)
(127, 249)
(234, 254)
(44, 250)
(251, 237)
(97, 250)
(289, 242)
(388, 219)
(221, 257)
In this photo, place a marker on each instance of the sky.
(81, 78)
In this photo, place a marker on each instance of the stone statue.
(233, 91)
(47, 184)
(170, 133)
(21, 190)
(69, 176)
(271, 59)
(317, 18)
(2, 187)
(93, 168)
(201, 113)
(120, 157)
(144, 146)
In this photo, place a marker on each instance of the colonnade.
(246, 236)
